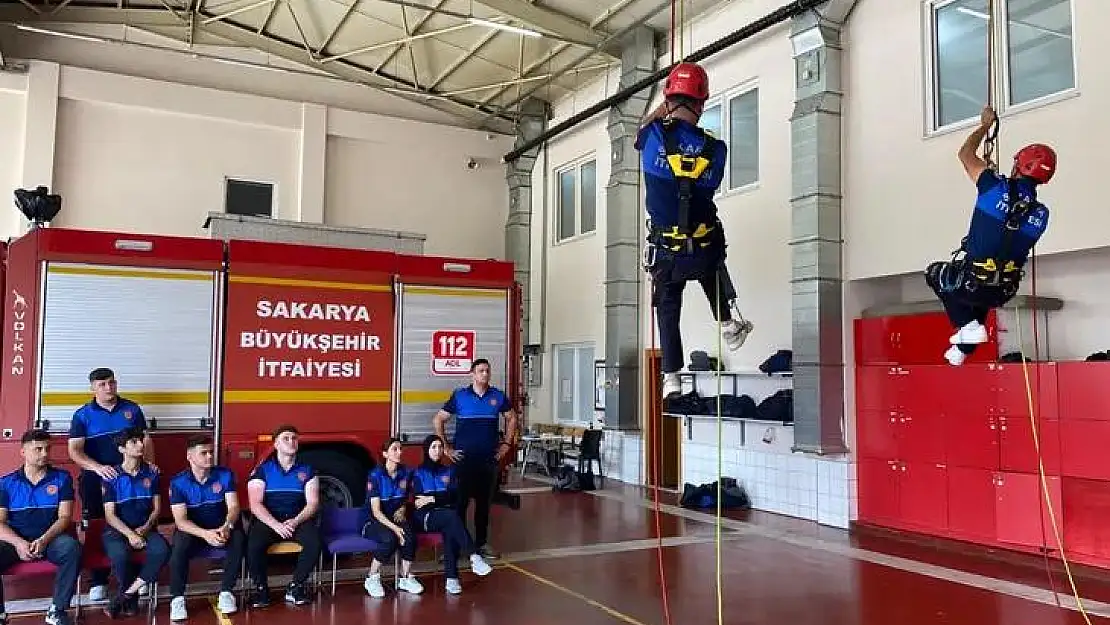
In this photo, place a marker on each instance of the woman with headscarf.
(435, 487)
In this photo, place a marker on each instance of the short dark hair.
(389, 443)
(479, 361)
(35, 435)
(101, 373)
(286, 427)
(128, 435)
(197, 440)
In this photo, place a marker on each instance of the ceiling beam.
(93, 15)
(566, 27)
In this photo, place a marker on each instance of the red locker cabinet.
(903, 495)
(914, 339)
(1085, 419)
(899, 413)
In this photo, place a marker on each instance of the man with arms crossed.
(477, 447)
(205, 510)
(36, 509)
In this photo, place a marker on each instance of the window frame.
(1000, 59)
(246, 180)
(576, 381)
(576, 166)
(724, 101)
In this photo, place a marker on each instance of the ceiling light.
(506, 27)
(972, 12)
(59, 33)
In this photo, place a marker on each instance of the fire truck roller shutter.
(155, 328)
(442, 330)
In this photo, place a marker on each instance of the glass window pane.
(589, 197)
(565, 227)
(743, 125)
(585, 398)
(564, 383)
(960, 30)
(711, 120)
(1039, 34)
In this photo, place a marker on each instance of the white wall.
(13, 103)
(139, 154)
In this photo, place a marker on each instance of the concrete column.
(816, 240)
(518, 224)
(313, 166)
(624, 234)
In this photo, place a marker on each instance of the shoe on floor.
(453, 586)
(373, 586)
(410, 584)
(54, 616)
(177, 609)
(98, 594)
(296, 594)
(480, 567)
(973, 333)
(260, 598)
(226, 604)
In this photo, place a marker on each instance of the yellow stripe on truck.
(306, 397)
(312, 284)
(435, 290)
(160, 398)
(200, 276)
(424, 397)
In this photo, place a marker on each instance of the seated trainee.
(131, 509)
(387, 493)
(436, 491)
(205, 510)
(36, 512)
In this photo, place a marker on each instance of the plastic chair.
(93, 557)
(341, 529)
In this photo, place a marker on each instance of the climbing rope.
(720, 454)
(656, 451)
(992, 133)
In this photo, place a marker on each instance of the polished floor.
(592, 558)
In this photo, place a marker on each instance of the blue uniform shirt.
(392, 491)
(133, 494)
(439, 478)
(33, 508)
(985, 234)
(284, 496)
(662, 186)
(204, 501)
(476, 432)
(98, 426)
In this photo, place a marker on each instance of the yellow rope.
(1041, 471)
(720, 453)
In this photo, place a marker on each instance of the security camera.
(472, 164)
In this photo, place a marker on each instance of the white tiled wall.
(775, 479)
(622, 455)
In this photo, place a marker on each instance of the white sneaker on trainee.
(410, 584)
(479, 565)
(177, 609)
(736, 332)
(373, 586)
(98, 594)
(954, 356)
(453, 586)
(973, 333)
(225, 603)
(671, 385)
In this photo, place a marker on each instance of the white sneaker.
(954, 356)
(373, 586)
(974, 333)
(177, 609)
(225, 603)
(480, 567)
(736, 332)
(671, 385)
(453, 586)
(98, 593)
(144, 590)
(410, 584)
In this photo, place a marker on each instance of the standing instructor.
(477, 447)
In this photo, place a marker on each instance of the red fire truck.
(236, 337)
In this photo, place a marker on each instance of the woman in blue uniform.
(387, 494)
(435, 487)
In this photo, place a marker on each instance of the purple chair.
(342, 533)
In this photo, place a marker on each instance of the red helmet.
(687, 79)
(1036, 161)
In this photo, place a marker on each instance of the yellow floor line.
(581, 597)
(221, 618)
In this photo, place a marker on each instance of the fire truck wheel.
(342, 478)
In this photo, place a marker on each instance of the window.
(576, 199)
(574, 383)
(740, 132)
(1034, 55)
(252, 199)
